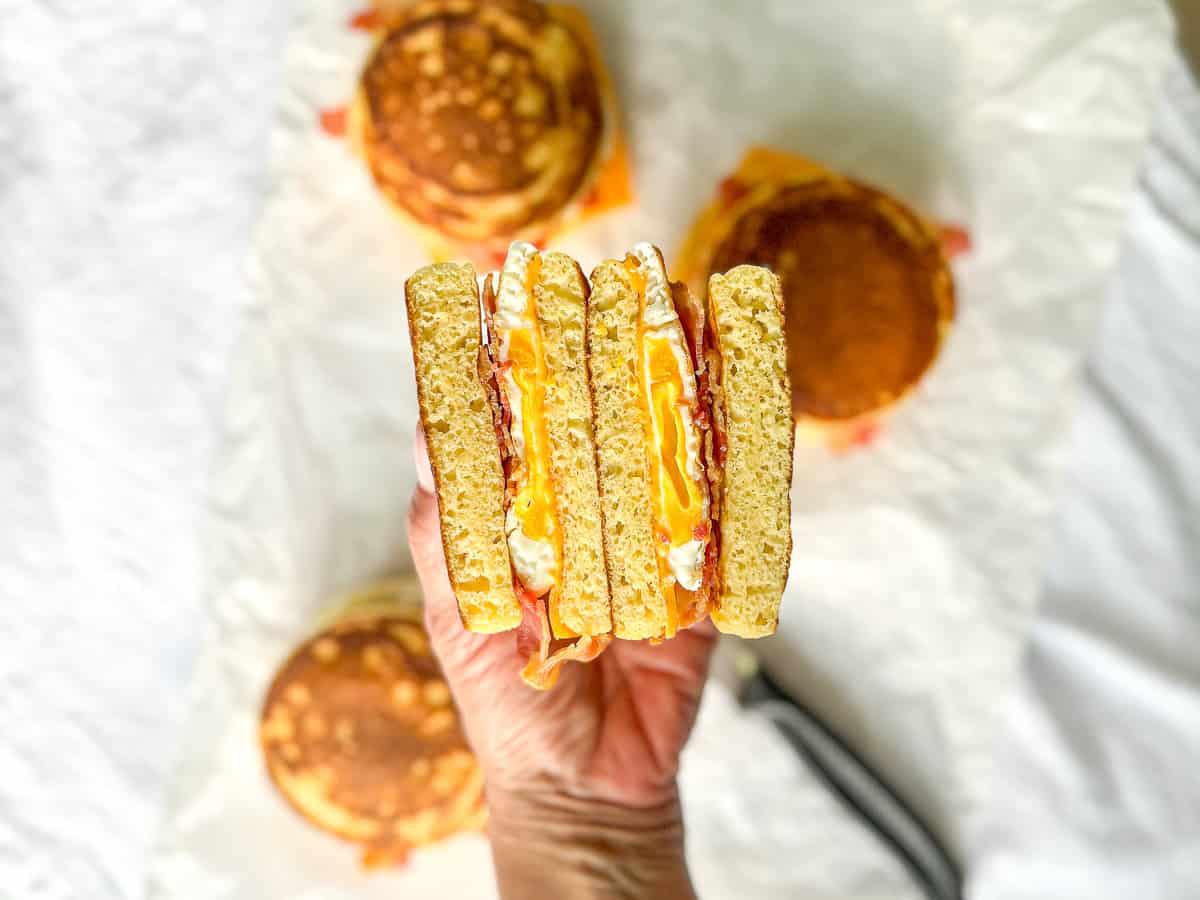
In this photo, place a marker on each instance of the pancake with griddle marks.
(482, 120)
(361, 736)
(867, 291)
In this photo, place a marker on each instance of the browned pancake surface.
(485, 117)
(361, 736)
(866, 292)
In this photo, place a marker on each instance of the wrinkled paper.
(915, 560)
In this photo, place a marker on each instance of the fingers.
(442, 619)
(424, 528)
(425, 540)
(706, 628)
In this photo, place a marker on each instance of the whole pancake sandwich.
(488, 120)
(360, 735)
(869, 296)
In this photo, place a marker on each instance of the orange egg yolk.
(677, 497)
(535, 504)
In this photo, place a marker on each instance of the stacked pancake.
(868, 293)
(361, 737)
(614, 459)
(488, 120)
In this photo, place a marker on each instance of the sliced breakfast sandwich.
(612, 460)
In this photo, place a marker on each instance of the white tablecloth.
(132, 150)
(1096, 792)
(133, 147)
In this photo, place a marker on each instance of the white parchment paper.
(915, 560)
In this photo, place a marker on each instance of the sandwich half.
(508, 424)
(694, 436)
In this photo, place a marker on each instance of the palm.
(611, 729)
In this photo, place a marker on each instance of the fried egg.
(530, 522)
(668, 387)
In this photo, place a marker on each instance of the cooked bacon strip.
(489, 374)
(533, 640)
(691, 317)
(715, 448)
(695, 604)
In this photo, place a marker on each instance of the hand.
(581, 778)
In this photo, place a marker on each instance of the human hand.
(580, 779)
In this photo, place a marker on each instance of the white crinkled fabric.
(133, 162)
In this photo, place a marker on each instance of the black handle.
(864, 793)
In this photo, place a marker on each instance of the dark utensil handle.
(864, 793)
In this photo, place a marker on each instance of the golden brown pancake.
(361, 736)
(480, 118)
(866, 291)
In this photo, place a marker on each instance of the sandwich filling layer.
(530, 521)
(667, 385)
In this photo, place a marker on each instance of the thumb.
(425, 544)
(424, 530)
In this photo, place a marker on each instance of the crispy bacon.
(715, 450)
(692, 317)
(534, 641)
(720, 444)
(709, 582)
(489, 374)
